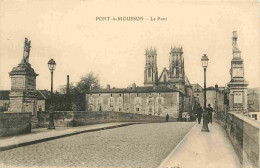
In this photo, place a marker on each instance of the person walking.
(210, 111)
(199, 113)
(167, 118)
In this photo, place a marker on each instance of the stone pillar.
(23, 89)
(237, 84)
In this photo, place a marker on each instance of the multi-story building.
(146, 100)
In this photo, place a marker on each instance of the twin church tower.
(173, 77)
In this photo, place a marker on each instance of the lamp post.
(52, 66)
(216, 87)
(204, 61)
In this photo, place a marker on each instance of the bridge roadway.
(142, 145)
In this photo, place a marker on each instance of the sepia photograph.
(129, 84)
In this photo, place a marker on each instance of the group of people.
(199, 112)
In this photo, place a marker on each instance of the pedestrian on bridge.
(167, 117)
(199, 113)
(210, 111)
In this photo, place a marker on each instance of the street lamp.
(204, 61)
(52, 66)
(216, 87)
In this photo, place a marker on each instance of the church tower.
(176, 63)
(150, 69)
(237, 84)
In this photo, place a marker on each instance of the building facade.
(158, 101)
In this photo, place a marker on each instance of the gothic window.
(164, 78)
(177, 72)
(149, 72)
(152, 77)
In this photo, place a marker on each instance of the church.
(168, 93)
(174, 77)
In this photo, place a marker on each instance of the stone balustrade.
(79, 118)
(244, 135)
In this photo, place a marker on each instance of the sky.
(69, 32)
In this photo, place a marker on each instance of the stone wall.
(244, 135)
(79, 118)
(15, 123)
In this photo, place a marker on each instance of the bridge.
(138, 144)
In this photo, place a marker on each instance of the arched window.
(149, 72)
(164, 78)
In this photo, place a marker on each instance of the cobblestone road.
(142, 145)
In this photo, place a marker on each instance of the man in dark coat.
(167, 117)
(210, 111)
(199, 113)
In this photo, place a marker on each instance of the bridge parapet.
(245, 136)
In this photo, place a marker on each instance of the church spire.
(150, 69)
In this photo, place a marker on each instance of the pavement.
(43, 134)
(134, 146)
(203, 150)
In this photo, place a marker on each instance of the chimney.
(68, 84)
(108, 87)
(133, 86)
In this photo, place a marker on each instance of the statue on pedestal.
(23, 97)
(26, 52)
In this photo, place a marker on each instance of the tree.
(63, 89)
(62, 101)
(87, 82)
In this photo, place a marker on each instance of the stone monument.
(237, 84)
(23, 85)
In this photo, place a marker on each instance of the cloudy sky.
(68, 32)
